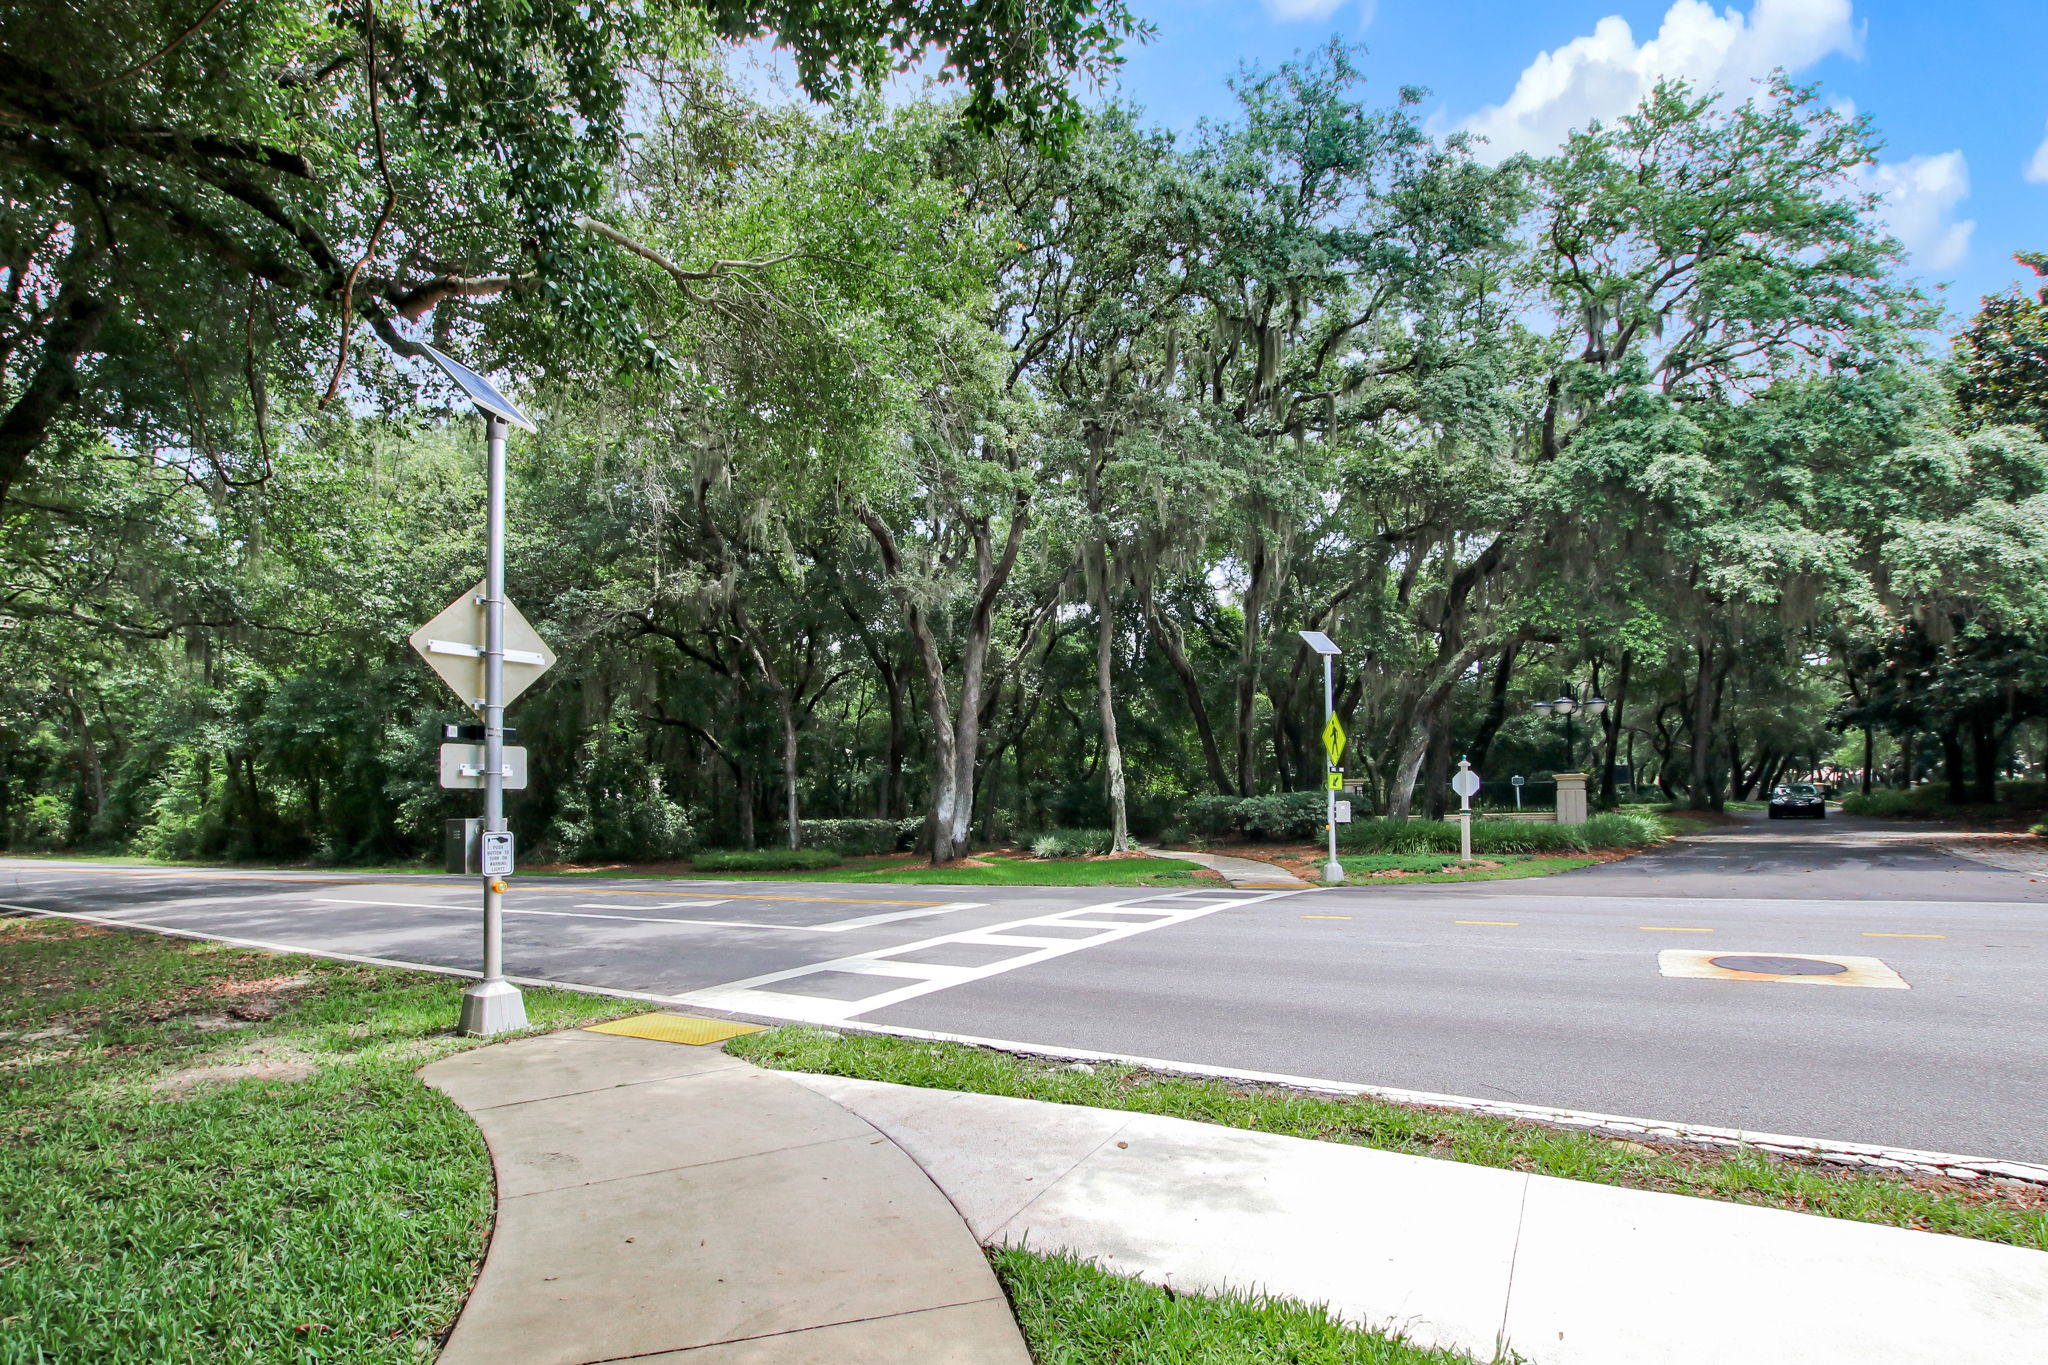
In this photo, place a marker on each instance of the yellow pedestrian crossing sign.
(1333, 741)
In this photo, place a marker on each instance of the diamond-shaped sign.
(1333, 741)
(453, 646)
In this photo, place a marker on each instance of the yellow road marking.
(1671, 929)
(1500, 923)
(1326, 917)
(444, 886)
(1871, 934)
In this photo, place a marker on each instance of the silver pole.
(1333, 871)
(494, 1004)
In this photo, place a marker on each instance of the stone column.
(1571, 798)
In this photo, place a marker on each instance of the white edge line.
(1846, 1153)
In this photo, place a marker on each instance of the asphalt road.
(1546, 991)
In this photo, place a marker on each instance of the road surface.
(1547, 991)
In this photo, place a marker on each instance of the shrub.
(1070, 843)
(1279, 815)
(854, 837)
(766, 860)
(1614, 830)
(1929, 800)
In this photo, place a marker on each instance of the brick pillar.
(1571, 798)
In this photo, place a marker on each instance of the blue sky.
(1952, 87)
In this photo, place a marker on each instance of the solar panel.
(480, 390)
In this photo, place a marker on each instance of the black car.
(1798, 801)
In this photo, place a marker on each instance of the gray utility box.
(460, 849)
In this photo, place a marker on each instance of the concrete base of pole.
(1333, 873)
(492, 1007)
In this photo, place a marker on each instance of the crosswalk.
(844, 988)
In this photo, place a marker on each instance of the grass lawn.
(1993, 1211)
(1406, 869)
(211, 1154)
(1004, 870)
(1075, 1313)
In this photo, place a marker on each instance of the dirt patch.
(264, 1064)
(964, 862)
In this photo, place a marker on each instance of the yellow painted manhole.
(675, 1028)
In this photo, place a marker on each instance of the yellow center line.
(1326, 917)
(1499, 923)
(1867, 933)
(671, 891)
(1672, 929)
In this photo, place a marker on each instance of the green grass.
(340, 1216)
(1075, 1313)
(2016, 1215)
(1443, 867)
(909, 869)
(1007, 871)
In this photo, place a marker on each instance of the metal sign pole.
(1333, 871)
(494, 1004)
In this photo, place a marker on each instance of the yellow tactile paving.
(675, 1028)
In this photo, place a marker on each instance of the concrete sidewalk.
(670, 1205)
(1474, 1258)
(1246, 872)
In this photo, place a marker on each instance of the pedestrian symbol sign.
(1333, 741)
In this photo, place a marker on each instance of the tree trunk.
(1436, 769)
(1706, 697)
(1868, 749)
(1174, 644)
(1984, 741)
(1496, 705)
(743, 781)
(1248, 654)
(95, 784)
(1610, 722)
(77, 315)
(892, 802)
(1952, 766)
(1105, 697)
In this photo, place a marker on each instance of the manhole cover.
(1780, 966)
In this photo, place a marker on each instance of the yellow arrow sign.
(1333, 741)
(1337, 780)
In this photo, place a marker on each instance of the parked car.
(1798, 801)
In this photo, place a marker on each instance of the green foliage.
(1615, 830)
(855, 838)
(1931, 801)
(1071, 843)
(1279, 815)
(767, 860)
(614, 806)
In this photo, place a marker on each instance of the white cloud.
(2037, 169)
(1606, 73)
(1920, 198)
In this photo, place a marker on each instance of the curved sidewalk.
(670, 1205)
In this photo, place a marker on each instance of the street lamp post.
(493, 1005)
(1333, 746)
(1569, 705)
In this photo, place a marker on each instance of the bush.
(854, 837)
(767, 860)
(1929, 800)
(1071, 843)
(1280, 815)
(1614, 830)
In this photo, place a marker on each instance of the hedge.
(767, 860)
(1281, 815)
(1614, 830)
(1929, 800)
(856, 837)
